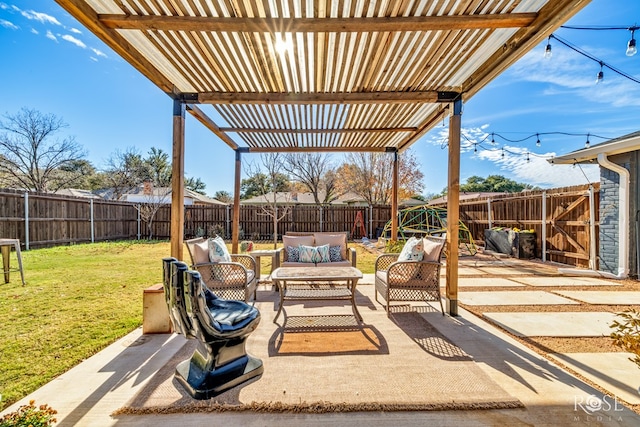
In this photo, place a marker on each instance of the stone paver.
(555, 324)
(604, 297)
(512, 298)
(567, 281)
(612, 371)
(463, 271)
(507, 271)
(487, 281)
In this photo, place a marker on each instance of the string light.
(631, 45)
(526, 153)
(547, 50)
(600, 75)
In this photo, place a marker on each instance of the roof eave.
(587, 155)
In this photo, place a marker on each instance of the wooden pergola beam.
(316, 25)
(323, 149)
(427, 97)
(317, 131)
(210, 124)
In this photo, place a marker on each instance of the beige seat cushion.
(333, 240)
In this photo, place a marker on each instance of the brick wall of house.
(609, 220)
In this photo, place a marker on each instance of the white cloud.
(75, 30)
(8, 24)
(40, 17)
(99, 52)
(74, 40)
(512, 160)
(570, 74)
(534, 169)
(51, 36)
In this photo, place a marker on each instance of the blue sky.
(54, 65)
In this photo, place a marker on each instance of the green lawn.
(78, 299)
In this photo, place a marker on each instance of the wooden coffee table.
(317, 283)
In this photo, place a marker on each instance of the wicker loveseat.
(340, 254)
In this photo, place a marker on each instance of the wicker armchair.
(236, 280)
(410, 280)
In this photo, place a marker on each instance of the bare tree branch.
(311, 170)
(271, 165)
(29, 158)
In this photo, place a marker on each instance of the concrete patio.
(548, 387)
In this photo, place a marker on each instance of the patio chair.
(235, 279)
(221, 328)
(411, 280)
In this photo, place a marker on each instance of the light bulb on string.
(502, 155)
(475, 148)
(493, 141)
(631, 45)
(587, 144)
(527, 157)
(600, 75)
(537, 140)
(547, 49)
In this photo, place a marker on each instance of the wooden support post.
(394, 199)
(235, 227)
(453, 208)
(177, 181)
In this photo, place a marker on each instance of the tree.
(259, 183)
(88, 177)
(29, 156)
(370, 175)
(314, 171)
(268, 179)
(223, 196)
(493, 184)
(159, 167)
(126, 170)
(154, 198)
(195, 184)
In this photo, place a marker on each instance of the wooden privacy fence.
(41, 220)
(257, 224)
(565, 220)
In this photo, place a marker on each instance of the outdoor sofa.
(317, 249)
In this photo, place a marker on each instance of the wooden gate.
(571, 236)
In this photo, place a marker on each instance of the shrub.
(394, 246)
(30, 416)
(627, 333)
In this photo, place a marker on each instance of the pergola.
(321, 76)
